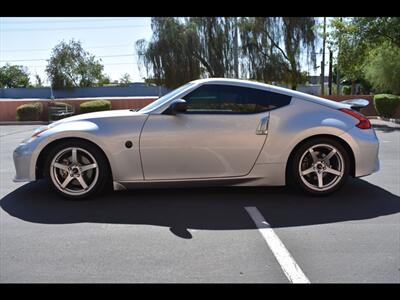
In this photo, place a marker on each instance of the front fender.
(109, 134)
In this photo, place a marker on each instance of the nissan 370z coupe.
(206, 132)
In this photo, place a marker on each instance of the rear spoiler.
(356, 104)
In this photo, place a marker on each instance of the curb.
(23, 123)
(396, 121)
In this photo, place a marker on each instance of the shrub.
(29, 112)
(346, 90)
(386, 104)
(95, 105)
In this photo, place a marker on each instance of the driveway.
(203, 234)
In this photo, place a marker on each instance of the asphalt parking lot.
(204, 234)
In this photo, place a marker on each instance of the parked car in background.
(206, 132)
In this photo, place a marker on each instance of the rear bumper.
(365, 146)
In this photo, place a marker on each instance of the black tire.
(294, 177)
(104, 174)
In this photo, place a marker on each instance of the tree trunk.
(353, 87)
(293, 79)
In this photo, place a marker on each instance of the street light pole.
(330, 72)
(323, 60)
(337, 68)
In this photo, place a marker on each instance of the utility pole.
(337, 77)
(323, 60)
(330, 72)
(235, 50)
(337, 69)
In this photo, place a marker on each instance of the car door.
(220, 135)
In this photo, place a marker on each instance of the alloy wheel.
(321, 167)
(74, 171)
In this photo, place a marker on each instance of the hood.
(100, 115)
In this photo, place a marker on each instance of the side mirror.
(177, 106)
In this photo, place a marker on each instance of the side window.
(229, 99)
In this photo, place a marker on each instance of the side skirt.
(261, 175)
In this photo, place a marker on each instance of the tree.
(259, 60)
(357, 39)
(185, 49)
(168, 57)
(383, 68)
(352, 50)
(105, 79)
(71, 66)
(378, 30)
(125, 79)
(214, 44)
(274, 46)
(38, 82)
(13, 76)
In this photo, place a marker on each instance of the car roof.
(272, 88)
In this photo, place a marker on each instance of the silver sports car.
(206, 132)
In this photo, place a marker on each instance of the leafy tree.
(378, 30)
(71, 66)
(183, 49)
(105, 79)
(259, 59)
(38, 80)
(168, 57)
(125, 79)
(383, 69)
(273, 47)
(352, 49)
(357, 39)
(13, 76)
(214, 40)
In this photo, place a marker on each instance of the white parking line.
(286, 261)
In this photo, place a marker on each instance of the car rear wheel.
(76, 170)
(319, 167)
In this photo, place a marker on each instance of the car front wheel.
(76, 170)
(320, 166)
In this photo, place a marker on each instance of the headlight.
(39, 131)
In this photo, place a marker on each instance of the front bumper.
(22, 157)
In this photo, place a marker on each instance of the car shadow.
(202, 208)
(385, 128)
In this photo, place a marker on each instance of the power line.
(94, 47)
(72, 28)
(69, 20)
(106, 64)
(40, 59)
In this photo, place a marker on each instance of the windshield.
(166, 97)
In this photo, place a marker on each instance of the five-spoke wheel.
(76, 170)
(319, 166)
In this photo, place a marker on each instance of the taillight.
(363, 122)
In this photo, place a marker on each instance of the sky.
(29, 41)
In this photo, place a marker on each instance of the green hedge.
(95, 105)
(29, 112)
(386, 104)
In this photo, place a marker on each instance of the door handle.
(262, 128)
